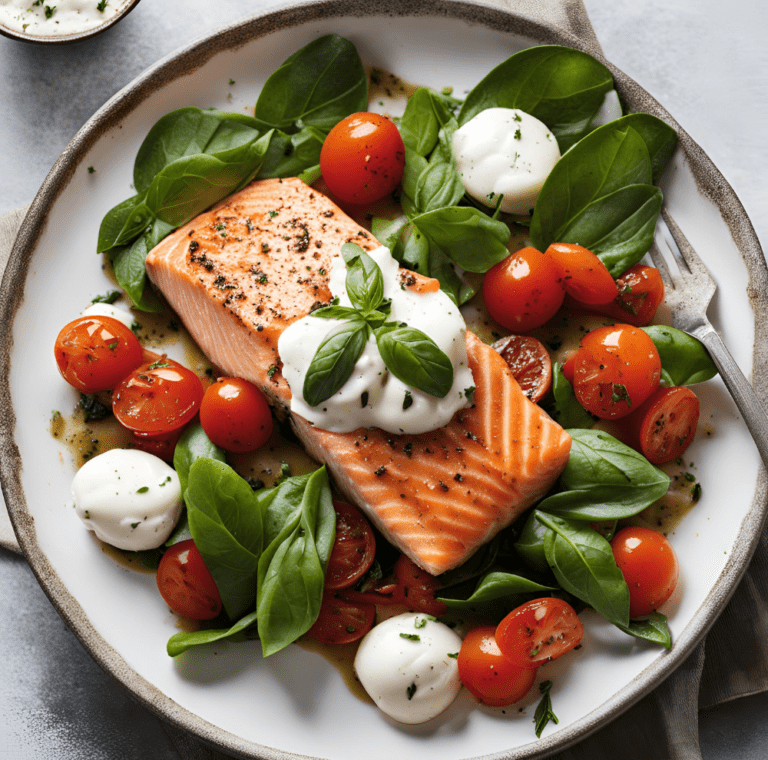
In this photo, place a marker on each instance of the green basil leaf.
(654, 628)
(415, 359)
(583, 564)
(335, 312)
(566, 410)
(181, 642)
(124, 223)
(389, 231)
(605, 480)
(292, 155)
(561, 87)
(364, 281)
(425, 114)
(530, 544)
(497, 585)
(292, 567)
(470, 238)
(660, 139)
(684, 360)
(334, 361)
(416, 252)
(193, 445)
(225, 517)
(317, 86)
(438, 186)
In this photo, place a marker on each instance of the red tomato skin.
(186, 584)
(235, 415)
(524, 291)
(585, 277)
(529, 362)
(663, 426)
(354, 549)
(158, 398)
(616, 368)
(341, 621)
(539, 631)
(160, 446)
(487, 674)
(95, 353)
(649, 565)
(363, 158)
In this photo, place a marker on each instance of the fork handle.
(742, 392)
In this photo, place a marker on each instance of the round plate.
(295, 703)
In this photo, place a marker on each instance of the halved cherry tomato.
(649, 565)
(354, 549)
(160, 446)
(487, 673)
(95, 353)
(616, 368)
(235, 415)
(664, 426)
(186, 584)
(362, 158)
(530, 364)
(341, 621)
(157, 398)
(539, 631)
(641, 291)
(524, 290)
(569, 367)
(585, 277)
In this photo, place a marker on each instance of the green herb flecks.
(544, 712)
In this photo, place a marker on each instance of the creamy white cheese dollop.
(57, 18)
(408, 666)
(128, 498)
(108, 310)
(372, 397)
(505, 151)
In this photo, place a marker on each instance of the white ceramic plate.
(294, 703)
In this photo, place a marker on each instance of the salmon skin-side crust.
(240, 273)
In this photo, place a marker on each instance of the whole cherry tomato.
(530, 364)
(487, 673)
(585, 277)
(362, 158)
(95, 353)
(539, 631)
(649, 565)
(235, 415)
(353, 550)
(157, 398)
(186, 584)
(615, 369)
(523, 291)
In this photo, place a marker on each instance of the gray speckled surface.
(708, 68)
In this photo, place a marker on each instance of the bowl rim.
(709, 180)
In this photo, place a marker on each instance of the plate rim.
(710, 183)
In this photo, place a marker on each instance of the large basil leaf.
(364, 282)
(684, 360)
(660, 139)
(123, 223)
(334, 360)
(181, 642)
(425, 115)
(561, 87)
(470, 238)
(226, 521)
(317, 86)
(291, 155)
(291, 571)
(415, 359)
(193, 445)
(583, 563)
(497, 585)
(605, 480)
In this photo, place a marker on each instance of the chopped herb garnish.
(453, 655)
(620, 393)
(134, 525)
(518, 134)
(49, 10)
(419, 623)
(408, 400)
(690, 477)
(364, 399)
(696, 492)
(143, 489)
(411, 690)
(91, 170)
(101, 6)
(410, 636)
(544, 713)
(109, 297)
(55, 414)
(271, 371)
(159, 364)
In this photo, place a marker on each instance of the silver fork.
(688, 296)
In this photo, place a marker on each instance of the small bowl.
(112, 16)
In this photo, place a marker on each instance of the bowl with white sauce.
(60, 21)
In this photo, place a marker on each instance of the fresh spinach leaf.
(425, 115)
(334, 360)
(193, 445)
(583, 564)
(530, 544)
(684, 360)
(605, 480)
(497, 585)
(292, 155)
(660, 139)
(317, 86)
(291, 570)
(181, 642)
(653, 628)
(226, 521)
(566, 409)
(123, 223)
(415, 359)
(562, 87)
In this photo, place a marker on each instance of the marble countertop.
(705, 62)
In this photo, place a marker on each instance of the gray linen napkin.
(665, 723)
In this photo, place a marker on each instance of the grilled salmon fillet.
(240, 273)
